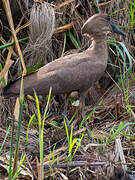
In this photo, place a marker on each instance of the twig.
(10, 20)
(74, 164)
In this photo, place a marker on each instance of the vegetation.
(37, 141)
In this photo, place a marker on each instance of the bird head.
(99, 25)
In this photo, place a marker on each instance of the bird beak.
(116, 29)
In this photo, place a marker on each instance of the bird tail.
(8, 92)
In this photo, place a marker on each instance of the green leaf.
(74, 41)
(30, 121)
(2, 79)
(56, 124)
(34, 68)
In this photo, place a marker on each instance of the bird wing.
(67, 74)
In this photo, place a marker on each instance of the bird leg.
(65, 106)
(82, 106)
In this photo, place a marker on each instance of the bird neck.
(99, 46)
(99, 43)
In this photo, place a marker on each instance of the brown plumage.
(75, 72)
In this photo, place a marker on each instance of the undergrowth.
(105, 122)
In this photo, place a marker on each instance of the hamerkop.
(75, 72)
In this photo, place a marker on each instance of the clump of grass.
(117, 131)
(72, 142)
(41, 123)
(125, 71)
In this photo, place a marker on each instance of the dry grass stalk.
(120, 154)
(16, 110)
(6, 68)
(42, 22)
(56, 31)
(9, 62)
(10, 20)
(63, 28)
(64, 4)
(39, 169)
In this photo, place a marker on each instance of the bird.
(74, 72)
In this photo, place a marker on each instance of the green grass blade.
(111, 41)
(13, 43)
(54, 152)
(19, 166)
(2, 79)
(132, 9)
(38, 112)
(123, 9)
(11, 151)
(46, 108)
(77, 145)
(71, 147)
(66, 131)
(123, 58)
(74, 41)
(71, 135)
(40, 133)
(30, 121)
(70, 143)
(87, 117)
(111, 63)
(72, 117)
(7, 132)
(128, 55)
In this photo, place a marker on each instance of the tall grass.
(126, 69)
(15, 170)
(41, 123)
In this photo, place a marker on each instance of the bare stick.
(10, 20)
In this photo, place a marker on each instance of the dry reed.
(42, 23)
